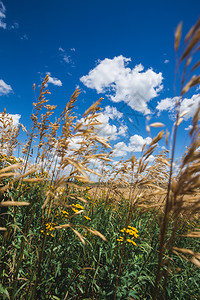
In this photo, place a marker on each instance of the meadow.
(131, 234)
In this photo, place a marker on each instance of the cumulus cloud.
(166, 61)
(135, 87)
(167, 104)
(110, 126)
(113, 113)
(5, 88)
(187, 104)
(2, 15)
(135, 144)
(121, 149)
(75, 143)
(107, 130)
(54, 80)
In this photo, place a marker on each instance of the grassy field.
(132, 235)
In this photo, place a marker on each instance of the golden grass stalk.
(188, 179)
(13, 203)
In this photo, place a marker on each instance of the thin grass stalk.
(34, 291)
(165, 221)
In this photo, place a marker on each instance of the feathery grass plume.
(38, 105)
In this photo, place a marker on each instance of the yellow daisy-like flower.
(133, 228)
(78, 206)
(120, 239)
(131, 241)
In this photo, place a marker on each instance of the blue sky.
(120, 50)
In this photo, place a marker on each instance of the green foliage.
(87, 271)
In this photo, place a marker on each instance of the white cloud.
(73, 49)
(113, 113)
(135, 87)
(120, 150)
(167, 104)
(107, 130)
(150, 158)
(187, 104)
(190, 104)
(136, 142)
(75, 142)
(54, 80)
(16, 119)
(5, 88)
(2, 15)
(189, 127)
(166, 61)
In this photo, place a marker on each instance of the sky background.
(120, 50)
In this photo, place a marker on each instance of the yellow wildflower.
(131, 241)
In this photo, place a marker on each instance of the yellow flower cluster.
(132, 231)
(49, 227)
(78, 206)
(120, 239)
(131, 241)
(75, 206)
(62, 213)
